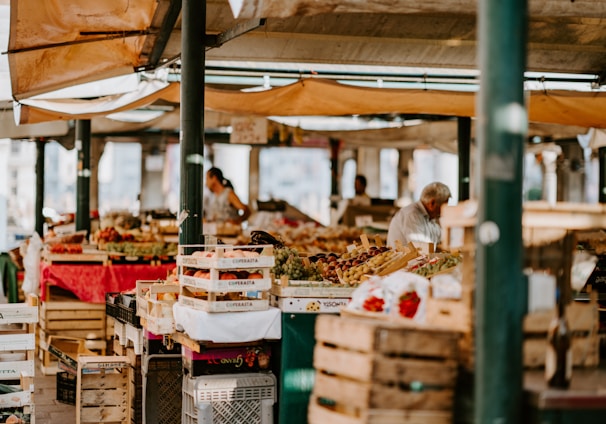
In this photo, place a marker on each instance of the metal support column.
(40, 144)
(602, 177)
(83, 137)
(500, 284)
(335, 146)
(464, 147)
(193, 28)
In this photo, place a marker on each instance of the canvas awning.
(317, 97)
(53, 44)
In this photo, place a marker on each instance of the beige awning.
(31, 111)
(317, 97)
(55, 44)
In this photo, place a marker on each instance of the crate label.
(310, 305)
(12, 370)
(18, 314)
(224, 306)
(105, 365)
(254, 284)
(227, 263)
(331, 291)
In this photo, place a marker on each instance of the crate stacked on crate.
(155, 300)
(102, 390)
(127, 324)
(223, 278)
(227, 399)
(17, 351)
(67, 350)
(377, 371)
(135, 382)
(69, 317)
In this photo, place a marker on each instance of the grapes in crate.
(289, 263)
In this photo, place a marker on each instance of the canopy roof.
(57, 44)
(315, 97)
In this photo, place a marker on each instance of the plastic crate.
(229, 399)
(162, 382)
(122, 307)
(66, 388)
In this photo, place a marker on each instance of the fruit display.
(308, 238)
(350, 267)
(400, 294)
(289, 263)
(142, 249)
(427, 266)
(67, 248)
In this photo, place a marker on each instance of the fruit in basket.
(65, 248)
(408, 303)
(373, 304)
(228, 276)
(255, 275)
(202, 274)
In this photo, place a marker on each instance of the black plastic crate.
(122, 307)
(162, 393)
(66, 388)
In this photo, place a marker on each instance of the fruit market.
(354, 212)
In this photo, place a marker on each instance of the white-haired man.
(419, 221)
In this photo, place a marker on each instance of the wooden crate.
(17, 339)
(102, 390)
(135, 382)
(385, 374)
(583, 319)
(74, 319)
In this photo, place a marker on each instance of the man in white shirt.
(419, 221)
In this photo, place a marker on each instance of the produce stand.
(90, 282)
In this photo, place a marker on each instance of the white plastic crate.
(229, 399)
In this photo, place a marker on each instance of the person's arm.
(235, 201)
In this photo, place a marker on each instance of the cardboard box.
(226, 360)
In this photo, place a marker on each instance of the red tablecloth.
(90, 282)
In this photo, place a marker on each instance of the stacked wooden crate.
(102, 390)
(63, 316)
(135, 382)
(219, 281)
(17, 351)
(374, 371)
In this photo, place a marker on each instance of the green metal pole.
(83, 136)
(193, 29)
(500, 284)
(464, 149)
(40, 144)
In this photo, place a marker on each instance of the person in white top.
(420, 221)
(224, 205)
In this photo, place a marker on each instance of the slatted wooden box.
(102, 391)
(371, 371)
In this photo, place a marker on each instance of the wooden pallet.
(386, 374)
